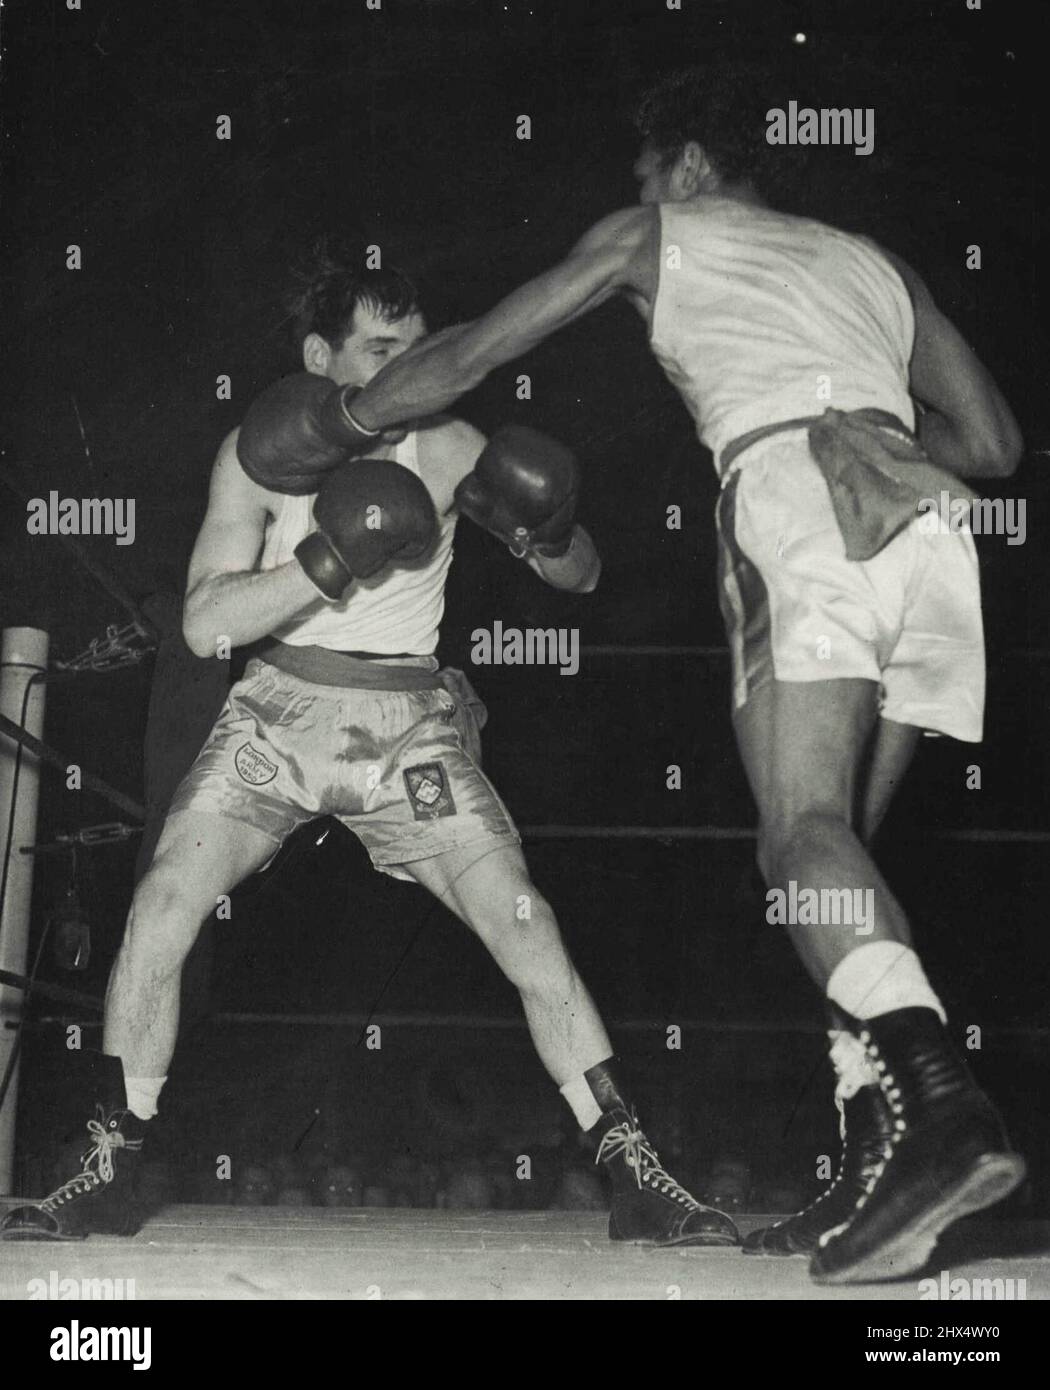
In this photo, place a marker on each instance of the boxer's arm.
(967, 425)
(618, 253)
(225, 597)
(577, 571)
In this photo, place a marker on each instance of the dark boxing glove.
(368, 512)
(298, 430)
(523, 489)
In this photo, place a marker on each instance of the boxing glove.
(368, 512)
(298, 430)
(523, 489)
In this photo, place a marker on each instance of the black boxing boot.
(865, 1125)
(98, 1197)
(947, 1156)
(648, 1205)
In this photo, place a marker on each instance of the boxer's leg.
(491, 891)
(944, 1153)
(200, 856)
(876, 760)
(753, 727)
(892, 750)
(809, 740)
(438, 820)
(249, 787)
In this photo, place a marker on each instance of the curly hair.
(333, 281)
(723, 108)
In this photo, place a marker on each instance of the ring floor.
(209, 1252)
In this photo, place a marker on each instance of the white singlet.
(397, 610)
(762, 317)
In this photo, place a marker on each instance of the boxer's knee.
(525, 941)
(789, 842)
(163, 923)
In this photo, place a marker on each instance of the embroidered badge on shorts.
(253, 766)
(428, 791)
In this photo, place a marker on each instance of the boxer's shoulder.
(229, 482)
(630, 228)
(627, 245)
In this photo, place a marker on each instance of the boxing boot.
(98, 1196)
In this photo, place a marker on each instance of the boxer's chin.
(394, 436)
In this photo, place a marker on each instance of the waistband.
(736, 447)
(322, 666)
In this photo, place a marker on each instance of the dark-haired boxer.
(338, 564)
(853, 621)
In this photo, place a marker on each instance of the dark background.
(398, 127)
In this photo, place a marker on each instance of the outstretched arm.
(430, 376)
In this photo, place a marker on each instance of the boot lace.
(628, 1139)
(835, 1181)
(98, 1167)
(892, 1093)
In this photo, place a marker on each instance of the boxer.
(334, 564)
(832, 394)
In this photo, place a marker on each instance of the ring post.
(23, 654)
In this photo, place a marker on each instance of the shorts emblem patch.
(253, 766)
(428, 791)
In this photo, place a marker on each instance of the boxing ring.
(276, 1253)
(187, 1251)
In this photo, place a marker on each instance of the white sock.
(853, 1067)
(581, 1101)
(881, 976)
(143, 1092)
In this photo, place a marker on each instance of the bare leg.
(494, 895)
(491, 892)
(198, 858)
(803, 746)
(893, 749)
(892, 752)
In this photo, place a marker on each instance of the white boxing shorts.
(400, 768)
(796, 609)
